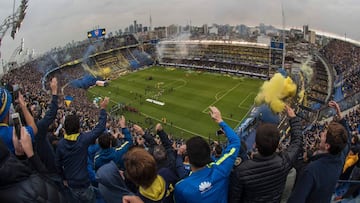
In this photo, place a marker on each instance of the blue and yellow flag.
(68, 99)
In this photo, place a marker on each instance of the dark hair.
(105, 140)
(218, 150)
(199, 151)
(159, 153)
(72, 124)
(356, 139)
(140, 167)
(267, 138)
(336, 137)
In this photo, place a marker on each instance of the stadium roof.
(216, 42)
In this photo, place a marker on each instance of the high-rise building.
(135, 26)
(172, 30)
(131, 29)
(312, 37)
(150, 27)
(206, 29)
(305, 31)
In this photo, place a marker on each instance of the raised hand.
(336, 106)
(54, 86)
(21, 100)
(158, 127)
(26, 143)
(215, 114)
(17, 145)
(122, 122)
(104, 103)
(290, 112)
(131, 199)
(138, 130)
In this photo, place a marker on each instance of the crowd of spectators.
(240, 69)
(345, 58)
(159, 159)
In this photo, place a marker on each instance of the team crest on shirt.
(205, 186)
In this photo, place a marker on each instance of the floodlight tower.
(14, 20)
(283, 34)
(17, 52)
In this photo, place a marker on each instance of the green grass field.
(187, 96)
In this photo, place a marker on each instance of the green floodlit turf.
(187, 95)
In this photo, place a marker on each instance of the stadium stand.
(337, 79)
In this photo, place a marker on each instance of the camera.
(220, 132)
(17, 124)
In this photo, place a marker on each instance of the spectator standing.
(71, 155)
(153, 185)
(319, 178)
(262, 178)
(209, 180)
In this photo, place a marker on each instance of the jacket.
(114, 154)
(210, 183)
(263, 178)
(161, 190)
(111, 185)
(71, 154)
(18, 183)
(42, 145)
(319, 178)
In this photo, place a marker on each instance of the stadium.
(152, 80)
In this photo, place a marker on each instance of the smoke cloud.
(275, 91)
(307, 71)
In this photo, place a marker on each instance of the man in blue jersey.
(209, 180)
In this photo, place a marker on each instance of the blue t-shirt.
(6, 133)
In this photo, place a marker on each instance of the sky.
(54, 23)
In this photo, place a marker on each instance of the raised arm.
(147, 137)
(165, 141)
(345, 124)
(43, 124)
(101, 126)
(296, 139)
(27, 115)
(121, 150)
(34, 160)
(226, 161)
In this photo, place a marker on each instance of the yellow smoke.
(102, 72)
(307, 71)
(274, 92)
(301, 93)
(105, 72)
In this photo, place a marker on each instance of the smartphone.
(17, 124)
(15, 92)
(220, 132)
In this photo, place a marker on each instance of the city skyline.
(49, 24)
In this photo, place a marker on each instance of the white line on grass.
(226, 93)
(185, 83)
(245, 99)
(216, 96)
(180, 128)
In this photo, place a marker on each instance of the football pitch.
(179, 98)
